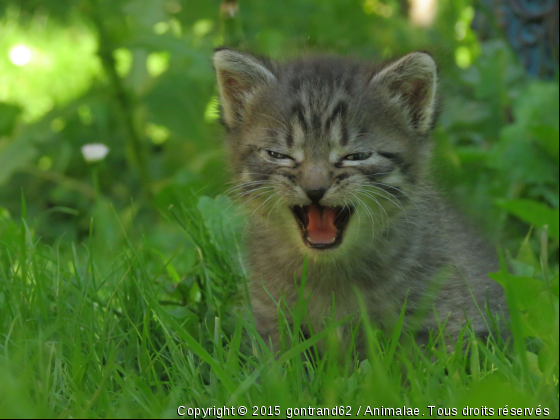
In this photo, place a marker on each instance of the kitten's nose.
(316, 195)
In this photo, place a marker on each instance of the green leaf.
(182, 313)
(534, 213)
(9, 114)
(547, 358)
(525, 263)
(547, 136)
(503, 394)
(14, 157)
(529, 304)
(519, 158)
(221, 221)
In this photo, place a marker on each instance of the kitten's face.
(326, 150)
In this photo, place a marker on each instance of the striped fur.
(402, 239)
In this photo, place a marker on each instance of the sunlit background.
(136, 77)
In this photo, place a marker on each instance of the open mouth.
(322, 227)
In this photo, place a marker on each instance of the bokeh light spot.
(157, 63)
(203, 27)
(460, 31)
(57, 125)
(463, 57)
(378, 7)
(4, 214)
(20, 55)
(161, 27)
(45, 163)
(423, 12)
(157, 133)
(123, 59)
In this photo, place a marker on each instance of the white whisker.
(255, 211)
(247, 201)
(401, 191)
(396, 203)
(272, 209)
(370, 215)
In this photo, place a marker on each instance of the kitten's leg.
(268, 330)
(266, 320)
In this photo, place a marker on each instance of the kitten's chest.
(332, 291)
(335, 296)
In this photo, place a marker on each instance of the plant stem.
(95, 179)
(232, 31)
(61, 179)
(123, 100)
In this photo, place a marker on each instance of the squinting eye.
(357, 156)
(277, 155)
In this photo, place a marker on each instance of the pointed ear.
(239, 77)
(412, 84)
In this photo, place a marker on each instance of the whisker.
(254, 188)
(397, 203)
(370, 195)
(241, 182)
(358, 213)
(237, 196)
(370, 215)
(247, 201)
(400, 191)
(255, 211)
(272, 209)
(384, 215)
(359, 218)
(246, 184)
(232, 189)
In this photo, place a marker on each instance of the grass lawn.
(140, 330)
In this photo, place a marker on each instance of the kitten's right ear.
(239, 77)
(412, 83)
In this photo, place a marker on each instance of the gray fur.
(401, 238)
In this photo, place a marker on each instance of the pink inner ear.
(233, 90)
(414, 93)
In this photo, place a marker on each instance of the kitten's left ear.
(239, 76)
(412, 83)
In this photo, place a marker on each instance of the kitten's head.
(327, 149)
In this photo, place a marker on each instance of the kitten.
(331, 157)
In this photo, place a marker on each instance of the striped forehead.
(318, 118)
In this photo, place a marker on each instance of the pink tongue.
(321, 228)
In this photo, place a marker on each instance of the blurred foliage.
(136, 75)
(114, 265)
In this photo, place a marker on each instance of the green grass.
(139, 330)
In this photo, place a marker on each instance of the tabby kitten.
(331, 158)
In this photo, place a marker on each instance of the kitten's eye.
(357, 156)
(277, 155)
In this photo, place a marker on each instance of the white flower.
(94, 152)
